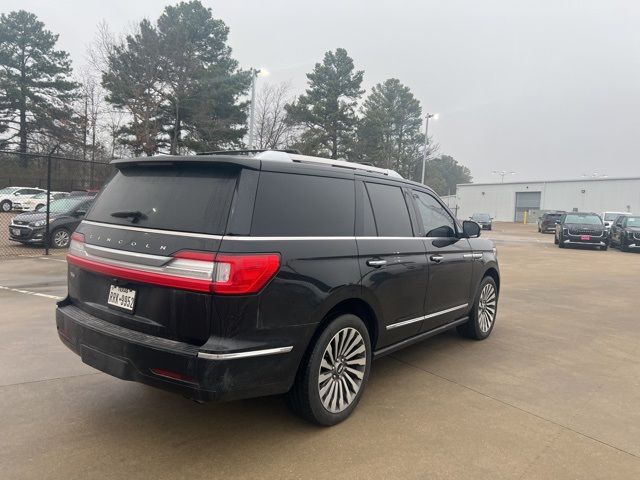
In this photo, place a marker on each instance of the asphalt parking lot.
(553, 393)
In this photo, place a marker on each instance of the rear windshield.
(585, 219)
(483, 217)
(553, 215)
(187, 198)
(609, 216)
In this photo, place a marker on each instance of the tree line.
(172, 86)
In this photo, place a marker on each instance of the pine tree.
(326, 111)
(389, 132)
(35, 84)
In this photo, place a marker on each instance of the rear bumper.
(131, 355)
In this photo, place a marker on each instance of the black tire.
(304, 398)
(559, 243)
(474, 328)
(623, 246)
(604, 248)
(6, 206)
(60, 238)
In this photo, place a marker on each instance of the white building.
(508, 201)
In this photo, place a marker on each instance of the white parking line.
(53, 259)
(27, 292)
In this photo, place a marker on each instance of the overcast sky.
(547, 88)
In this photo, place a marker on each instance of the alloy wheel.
(487, 307)
(342, 370)
(61, 239)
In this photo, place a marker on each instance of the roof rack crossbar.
(248, 151)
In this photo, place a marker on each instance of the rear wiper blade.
(135, 215)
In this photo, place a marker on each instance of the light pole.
(255, 72)
(502, 174)
(426, 141)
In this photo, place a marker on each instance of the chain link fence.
(43, 198)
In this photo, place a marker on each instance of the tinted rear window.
(390, 210)
(188, 198)
(303, 206)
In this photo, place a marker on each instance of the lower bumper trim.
(248, 354)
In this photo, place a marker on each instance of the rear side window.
(188, 198)
(390, 210)
(303, 206)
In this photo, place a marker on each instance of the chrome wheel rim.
(6, 207)
(342, 370)
(487, 307)
(61, 239)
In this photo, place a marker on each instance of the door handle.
(376, 263)
(436, 258)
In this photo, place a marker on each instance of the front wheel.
(333, 375)
(6, 206)
(483, 313)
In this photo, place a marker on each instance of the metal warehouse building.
(508, 201)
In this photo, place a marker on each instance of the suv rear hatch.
(143, 257)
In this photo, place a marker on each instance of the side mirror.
(470, 229)
(17, 194)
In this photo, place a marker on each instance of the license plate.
(15, 232)
(122, 297)
(585, 237)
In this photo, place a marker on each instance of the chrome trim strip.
(249, 354)
(153, 230)
(426, 317)
(125, 255)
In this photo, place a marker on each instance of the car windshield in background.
(633, 222)
(609, 217)
(584, 219)
(63, 205)
(554, 216)
(481, 217)
(184, 197)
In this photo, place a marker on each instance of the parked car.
(64, 216)
(625, 232)
(9, 195)
(287, 273)
(482, 219)
(581, 228)
(547, 221)
(83, 193)
(37, 201)
(610, 217)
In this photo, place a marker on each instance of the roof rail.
(251, 151)
(288, 156)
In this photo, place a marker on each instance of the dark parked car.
(625, 233)
(64, 216)
(482, 219)
(581, 228)
(547, 222)
(286, 273)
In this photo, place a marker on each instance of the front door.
(450, 262)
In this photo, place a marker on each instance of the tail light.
(224, 274)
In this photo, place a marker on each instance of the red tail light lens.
(224, 274)
(244, 274)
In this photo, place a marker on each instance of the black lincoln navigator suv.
(232, 276)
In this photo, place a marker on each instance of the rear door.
(450, 262)
(392, 260)
(142, 218)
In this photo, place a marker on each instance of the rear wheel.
(483, 313)
(333, 375)
(6, 206)
(60, 238)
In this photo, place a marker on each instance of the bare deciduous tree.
(272, 129)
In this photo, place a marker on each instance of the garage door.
(526, 201)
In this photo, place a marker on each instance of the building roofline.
(527, 182)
